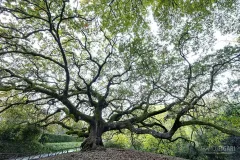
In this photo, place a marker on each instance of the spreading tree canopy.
(117, 64)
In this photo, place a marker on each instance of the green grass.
(35, 147)
(60, 146)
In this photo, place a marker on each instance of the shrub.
(118, 141)
(20, 133)
(112, 144)
(21, 147)
(10, 134)
(233, 141)
(31, 133)
(53, 138)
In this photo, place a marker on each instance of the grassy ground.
(9, 150)
(61, 146)
(28, 148)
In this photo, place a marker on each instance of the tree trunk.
(94, 141)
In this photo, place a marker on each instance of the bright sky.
(223, 40)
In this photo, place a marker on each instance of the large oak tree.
(102, 62)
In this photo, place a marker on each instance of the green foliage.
(148, 143)
(17, 122)
(31, 133)
(179, 148)
(22, 133)
(234, 142)
(112, 144)
(53, 138)
(118, 141)
(100, 60)
(10, 134)
(151, 144)
(21, 147)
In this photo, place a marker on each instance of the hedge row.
(53, 138)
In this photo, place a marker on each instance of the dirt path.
(112, 154)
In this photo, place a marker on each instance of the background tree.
(98, 62)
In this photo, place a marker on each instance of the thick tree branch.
(224, 130)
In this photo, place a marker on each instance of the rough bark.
(94, 140)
